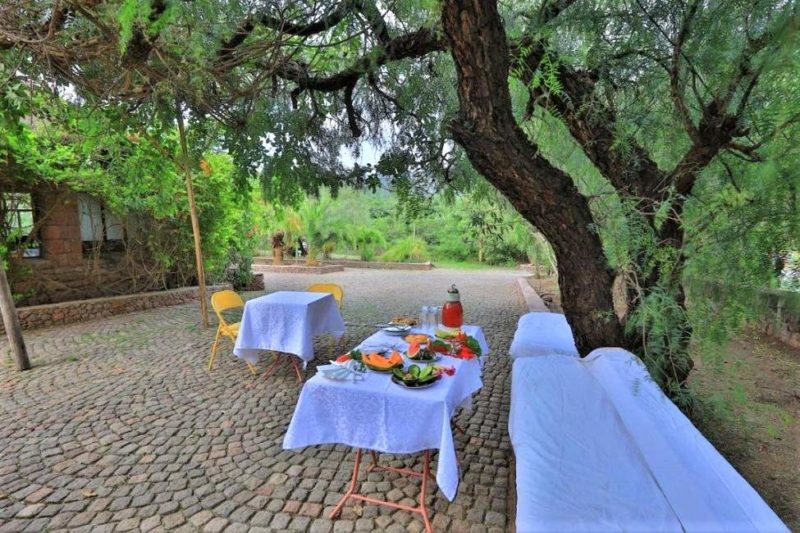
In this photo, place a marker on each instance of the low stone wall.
(531, 298)
(260, 264)
(782, 320)
(39, 316)
(298, 268)
(382, 265)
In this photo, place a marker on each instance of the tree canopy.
(648, 140)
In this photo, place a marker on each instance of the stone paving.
(119, 427)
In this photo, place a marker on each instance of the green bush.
(408, 249)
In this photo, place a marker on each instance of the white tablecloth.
(287, 321)
(376, 414)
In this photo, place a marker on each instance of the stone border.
(383, 265)
(296, 269)
(531, 297)
(264, 264)
(40, 316)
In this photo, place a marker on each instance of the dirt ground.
(748, 406)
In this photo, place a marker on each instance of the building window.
(18, 229)
(100, 229)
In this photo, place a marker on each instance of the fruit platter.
(417, 338)
(416, 377)
(422, 353)
(381, 363)
(455, 343)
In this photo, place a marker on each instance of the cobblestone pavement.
(119, 427)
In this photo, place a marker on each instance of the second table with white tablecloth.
(376, 414)
(287, 322)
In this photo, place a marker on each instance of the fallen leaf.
(88, 493)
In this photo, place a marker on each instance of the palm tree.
(314, 220)
(365, 239)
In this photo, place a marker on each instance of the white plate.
(397, 331)
(399, 382)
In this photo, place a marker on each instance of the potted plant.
(277, 248)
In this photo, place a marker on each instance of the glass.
(423, 318)
(437, 317)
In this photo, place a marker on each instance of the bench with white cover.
(599, 447)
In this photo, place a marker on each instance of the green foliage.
(133, 171)
(407, 249)
(738, 222)
(365, 240)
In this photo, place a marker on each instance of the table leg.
(351, 490)
(426, 473)
(277, 359)
(422, 509)
(297, 370)
(271, 368)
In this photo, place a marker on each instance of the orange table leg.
(422, 509)
(297, 370)
(277, 359)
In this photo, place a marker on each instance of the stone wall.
(259, 264)
(61, 228)
(292, 268)
(382, 265)
(63, 273)
(782, 320)
(39, 316)
(46, 281)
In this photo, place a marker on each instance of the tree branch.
(411, 45)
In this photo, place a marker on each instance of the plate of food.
(416, 377)
(405, 320)
(397, 330)
(417, 352)
(383, 364)
(417, 338)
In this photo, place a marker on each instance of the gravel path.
(119, 427)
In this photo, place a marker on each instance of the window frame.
(30, 244)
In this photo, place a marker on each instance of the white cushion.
(542, 334)
(705, 491)
(599, 447)
(576, 468)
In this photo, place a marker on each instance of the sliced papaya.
(417, 339)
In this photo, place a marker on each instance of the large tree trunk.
(485, 127)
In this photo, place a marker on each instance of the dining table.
(286, 322)
(372, 413)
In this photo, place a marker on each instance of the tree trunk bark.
(198, 248)
(11, 323)
(485, 127)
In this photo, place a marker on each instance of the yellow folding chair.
(224, 301)
(332, 288)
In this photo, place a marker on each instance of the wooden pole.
(198, 250)
(11, 323)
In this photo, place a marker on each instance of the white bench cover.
(599, 447)
(542, 334)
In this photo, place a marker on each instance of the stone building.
(65, 246)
